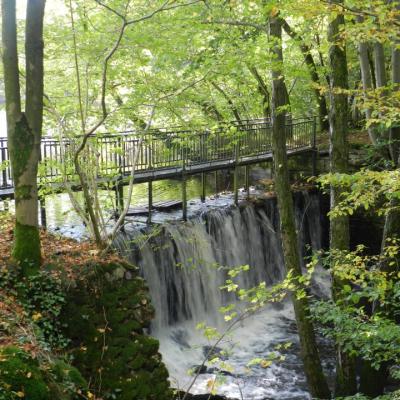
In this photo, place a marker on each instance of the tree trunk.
(366, 78)
(312, 68)
(380, 69)
(309, 351)
(392, 221)
(232, 106)
(339, 226)
(395, 131)
(263, 90)
(24, 129)
(381, 82)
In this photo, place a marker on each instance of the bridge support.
(184, 197)
(216, 182)
(119, 197)
(42, 206)
(247, 181)
(203, 187)
(236, 184)
(150, 201)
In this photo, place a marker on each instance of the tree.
(339, 226)
(309, 350)
(24, 128)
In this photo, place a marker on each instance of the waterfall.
(185, 265)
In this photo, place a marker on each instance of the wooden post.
(247, 181)
(203, 187)
(43, 218)
(119, 197)
(235, 185)
(4, 172)
(150, 201)
(184, 198)
(216, 182)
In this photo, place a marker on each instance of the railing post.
(314, 147)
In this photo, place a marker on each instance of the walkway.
(164, 154)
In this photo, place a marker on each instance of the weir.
(185, 265)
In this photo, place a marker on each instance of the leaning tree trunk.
(339, 226)
(24, 129)
(309, 351)
(312, 69)
(366, 78)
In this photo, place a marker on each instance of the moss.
(106, 311)
(26, 251)
(21, 147)
(67, 383)
(19, 373)
(23, 192)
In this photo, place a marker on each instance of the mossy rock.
(20, 376)
(66, 383)
(107, 309)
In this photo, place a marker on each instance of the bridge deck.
(163, 154)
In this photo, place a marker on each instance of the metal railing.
(159, 149)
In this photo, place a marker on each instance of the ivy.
(42, 298)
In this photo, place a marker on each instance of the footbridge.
(162, 154)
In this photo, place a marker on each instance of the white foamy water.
(182, 267)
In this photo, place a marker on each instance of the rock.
(105, 317)
(179, 396)
(209, 352)
(217, 371)
(23, 374)
(198, 369)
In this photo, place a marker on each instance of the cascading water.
(181, 265)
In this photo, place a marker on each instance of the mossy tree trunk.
(395, 131)
(24, 128)
(339, 226)
(309, 351)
